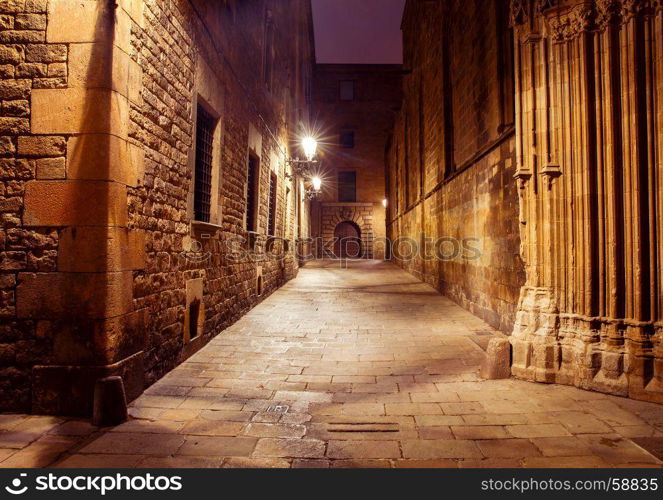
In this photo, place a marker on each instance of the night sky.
(358, 31)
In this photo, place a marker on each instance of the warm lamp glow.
(384, 203)
(317, 183)
(310, 146)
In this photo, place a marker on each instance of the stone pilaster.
(588, 92)
(85, 307)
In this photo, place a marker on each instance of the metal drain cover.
(483, 333)
(278, 409)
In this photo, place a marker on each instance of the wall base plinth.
(599, 354)
(69, 390)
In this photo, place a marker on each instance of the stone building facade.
(354, 107)
(142, 156)
(453, 203)
(573, 198)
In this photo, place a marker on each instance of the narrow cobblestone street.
(374, 368)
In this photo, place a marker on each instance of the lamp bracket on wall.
(300, 168)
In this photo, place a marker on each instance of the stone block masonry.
(98, 150)
(451, 156)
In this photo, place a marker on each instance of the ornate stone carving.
(543, 5)
(633, 8)
(519, 12)
(572, 23)
(550, 172)
(607, 12)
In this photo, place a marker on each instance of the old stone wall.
(104, 269)
(453, 205)
(27, 62)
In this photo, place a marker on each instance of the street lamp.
(302, 168)
(310, 147)
(315, 189)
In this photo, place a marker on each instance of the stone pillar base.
(69, 390)
(600, 354)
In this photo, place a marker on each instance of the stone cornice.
(568, 20)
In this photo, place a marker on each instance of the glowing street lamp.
(310, 147)
(317, 183)
(384, 203)
(302, 168)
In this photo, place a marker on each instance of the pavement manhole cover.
(278, 409)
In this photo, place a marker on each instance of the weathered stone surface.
(50, 168)
(41, 146)
(110, 402)
(587, 278)
(104, 157)
(99, 249)
(61, 295)
(93, 65)
(75, 203)
(46, 53)
(70, 389)
(79, 21)
(79, 111)
(497, 363)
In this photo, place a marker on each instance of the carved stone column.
(588, 94)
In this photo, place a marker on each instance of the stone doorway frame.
(360, 214)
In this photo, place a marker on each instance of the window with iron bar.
(272, 205)
(205, 124)
(252, 180)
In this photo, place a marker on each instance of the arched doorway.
(347, 240)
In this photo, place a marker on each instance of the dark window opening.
(271, 229)
(346, 90)
(252, 177)
(194, 318)
(286, 225)
(205, 125)
(259, 285)
(505, 68)
(347, 187)
(346, 140)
